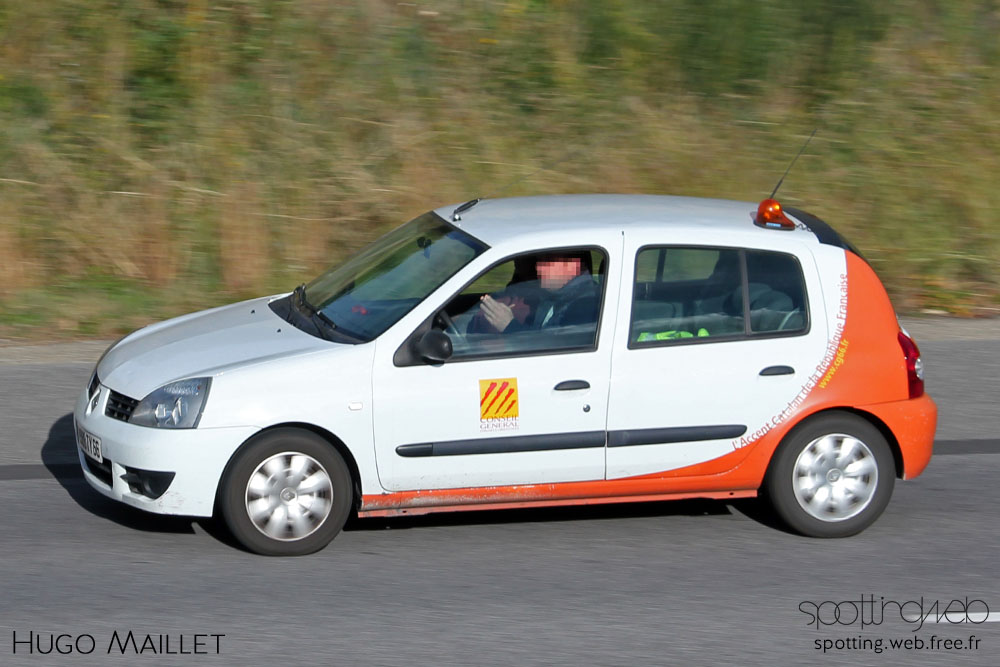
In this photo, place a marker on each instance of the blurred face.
(554, 272)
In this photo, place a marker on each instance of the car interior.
(517, 284)
(712, 306)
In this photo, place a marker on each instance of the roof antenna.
(457, 214)
(769, 213)
(794, 159)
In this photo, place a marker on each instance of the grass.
(160, 156)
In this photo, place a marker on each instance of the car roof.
(495, 221)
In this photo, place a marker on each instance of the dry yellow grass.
(157, 157)
(244, 239)
(14, 267)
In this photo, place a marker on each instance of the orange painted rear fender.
(912, 423)
(865, 370)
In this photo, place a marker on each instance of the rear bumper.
(913, 422)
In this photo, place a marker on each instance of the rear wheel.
(287, 492)
(832, 476)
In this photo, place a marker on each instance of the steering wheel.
(444, 318)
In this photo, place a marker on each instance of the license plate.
(90, 444)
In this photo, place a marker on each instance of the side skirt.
(374, 506)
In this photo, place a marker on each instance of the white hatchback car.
(526, 352)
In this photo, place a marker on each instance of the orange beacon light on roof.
(770, 215)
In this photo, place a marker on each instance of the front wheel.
(832, 476)
(287, 492)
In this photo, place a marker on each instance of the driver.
(564, 294)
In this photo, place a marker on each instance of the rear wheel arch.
(890, 437)
(841, 515)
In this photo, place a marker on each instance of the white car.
(526, 352)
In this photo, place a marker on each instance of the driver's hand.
(496, 313)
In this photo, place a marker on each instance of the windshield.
(374, 289)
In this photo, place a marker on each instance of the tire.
(286, 492)
(831, 476)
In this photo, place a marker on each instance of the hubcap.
(835, 477)
(289, 496)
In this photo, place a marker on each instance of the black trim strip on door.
(660, 436)
(582, 440)
(506, 445)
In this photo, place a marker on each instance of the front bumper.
(196, 457)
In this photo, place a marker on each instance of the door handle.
(778, 370)
(572, 385)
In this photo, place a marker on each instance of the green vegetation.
(158, 156)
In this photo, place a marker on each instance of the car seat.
(769, 308)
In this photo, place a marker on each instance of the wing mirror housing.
(434, 347)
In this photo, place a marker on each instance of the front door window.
(534, 303)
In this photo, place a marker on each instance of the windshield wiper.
(316, 313)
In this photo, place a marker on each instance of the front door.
(522, 405)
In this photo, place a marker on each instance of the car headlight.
(176, 405)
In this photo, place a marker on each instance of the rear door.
(712, 345)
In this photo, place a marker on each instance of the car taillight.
(914, 365)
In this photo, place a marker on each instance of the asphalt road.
(685, 583)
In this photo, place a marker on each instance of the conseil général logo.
(498, 404)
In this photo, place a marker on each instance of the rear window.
(686, 294)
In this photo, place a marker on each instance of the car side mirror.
(434, 346)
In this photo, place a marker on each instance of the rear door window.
(777, 292)
(693, 293)
(684, 293)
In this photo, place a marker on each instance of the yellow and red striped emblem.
(498, 398)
